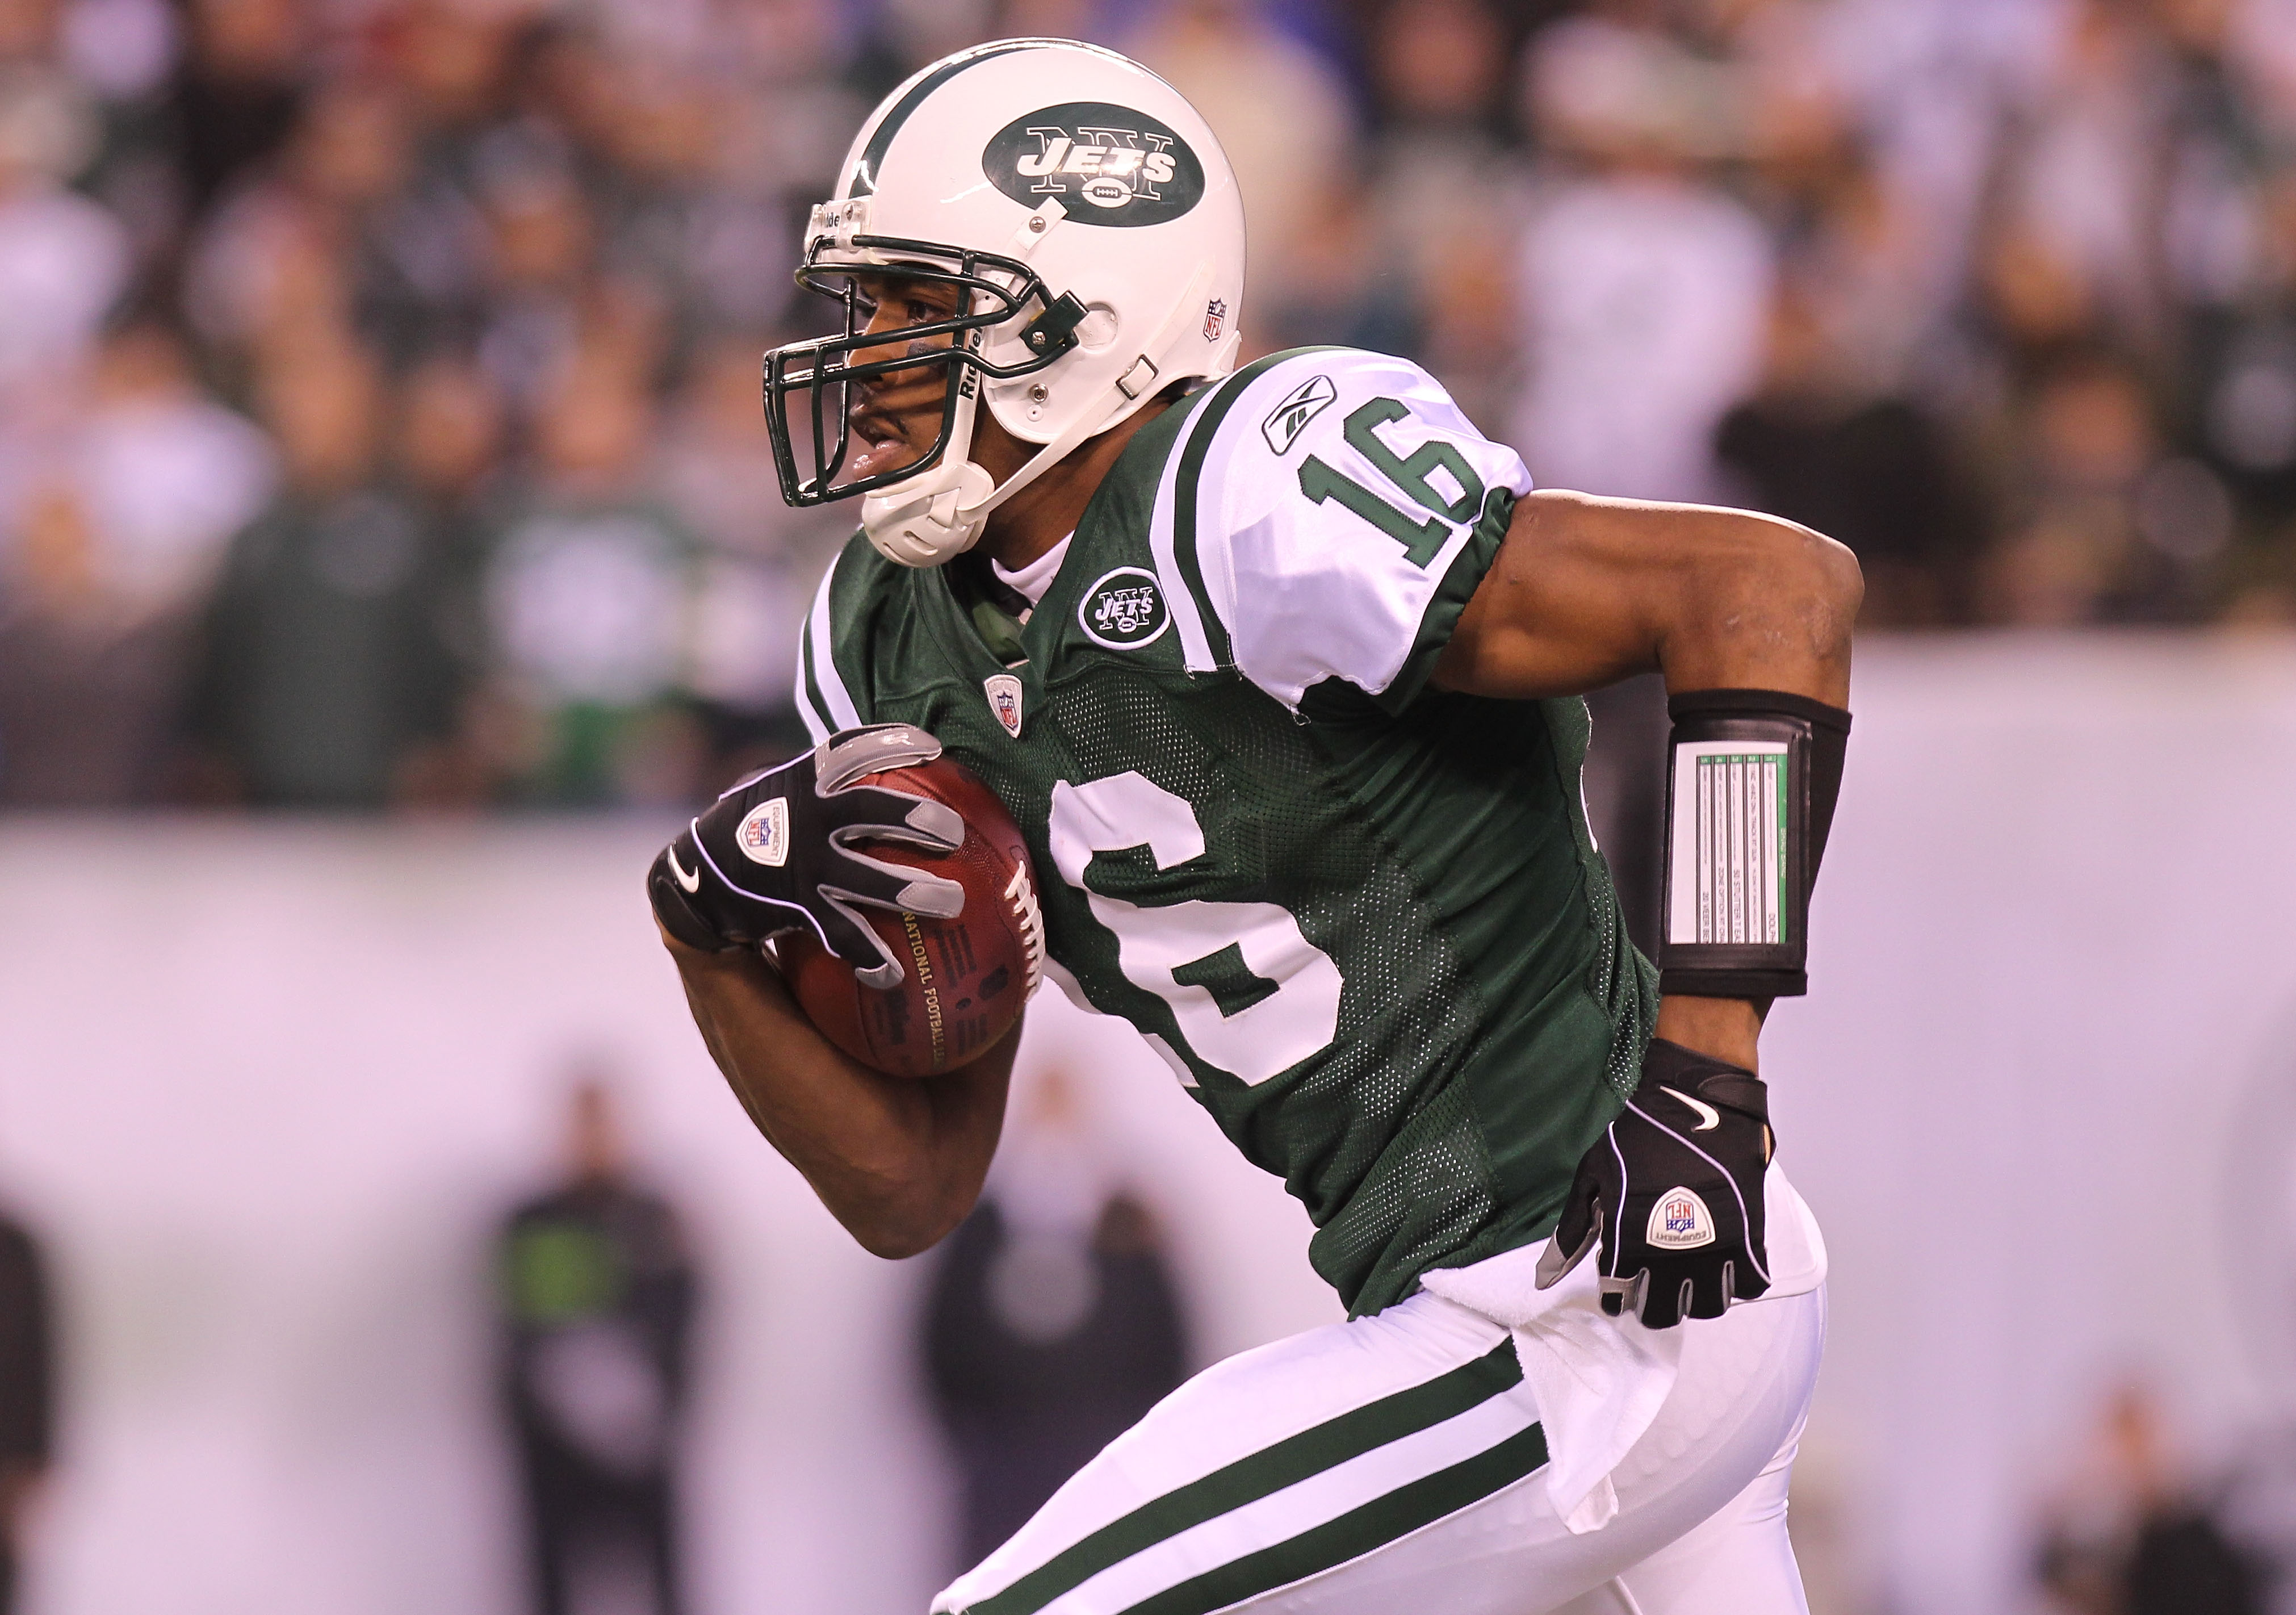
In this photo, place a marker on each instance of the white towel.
(1600, 1381)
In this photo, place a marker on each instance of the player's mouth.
(892, 437)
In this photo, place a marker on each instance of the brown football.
(964, 981)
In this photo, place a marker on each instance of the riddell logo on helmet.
(1108, 164)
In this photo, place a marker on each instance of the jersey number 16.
(1413, 473)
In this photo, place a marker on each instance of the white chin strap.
(924, 520)
(938, 513)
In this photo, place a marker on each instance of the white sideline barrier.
(264, 1087)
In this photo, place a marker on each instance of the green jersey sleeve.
(1329, 512)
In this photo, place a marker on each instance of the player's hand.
(1673, 1194)
(776, 853)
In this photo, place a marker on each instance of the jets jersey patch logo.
(1003, 691)
(1680, 1221)
(1124, 611)
(763, 834)
(1109, 165)
(1302, 404)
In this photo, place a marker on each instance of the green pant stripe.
(1255, 1476)
(1357, 1532)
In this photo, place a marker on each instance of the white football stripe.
(842, 714)
(1195, 648)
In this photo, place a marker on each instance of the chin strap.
(938, 513)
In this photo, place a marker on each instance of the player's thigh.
(1692, 1509)
(1274, 1466)
(1738, 1560)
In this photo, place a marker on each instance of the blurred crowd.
(379, 419)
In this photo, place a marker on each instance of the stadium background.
(388, 548)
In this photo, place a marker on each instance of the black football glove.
(1673, 1191)
(775, 853)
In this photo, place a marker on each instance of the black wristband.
(1752, 777)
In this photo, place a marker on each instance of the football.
(964, 981)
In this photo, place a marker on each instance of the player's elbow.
(896, 1238)
(1831, 582)
(898, 1222)
(1784, 582)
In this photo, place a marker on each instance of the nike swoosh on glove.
(776, 853)
(1673, 1194)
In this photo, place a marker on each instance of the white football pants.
(1391, 1464)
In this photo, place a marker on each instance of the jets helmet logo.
(1124, 611)
(1108, 164)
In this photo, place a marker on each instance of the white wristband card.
(1729, 871)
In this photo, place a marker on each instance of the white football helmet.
(1091, 224)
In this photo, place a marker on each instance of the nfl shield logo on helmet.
(1215, 319)
(1680, 1221)
(1004, 700)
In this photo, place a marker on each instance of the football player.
(1278, 669)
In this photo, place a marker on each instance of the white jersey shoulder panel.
(1313, 513)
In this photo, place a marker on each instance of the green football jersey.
(1362, 920)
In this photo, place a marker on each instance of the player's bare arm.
(1586, 590)
(898, 1160)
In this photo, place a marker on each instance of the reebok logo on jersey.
(1680, 1221)
(1109, 165)
(1124, 611)
(1302, 404)
(763, 834)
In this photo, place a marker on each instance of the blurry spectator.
(1053, 1325)
(1441, 177)
(590, 601)
(761, 560)
(1644, 289)
(120, 525)
(541, 240)
(1815, 446)
(26, 1393)
(2082, 173)
(2104, 523)
(2128, 1537)
(788, 133)
(1284, 118)
(597, 1298)
(2238, 283)
(63, 259)
(240, 87)
(294, 251)
(326, 667)
(167, 474)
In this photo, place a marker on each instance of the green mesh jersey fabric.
(1372, 937)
